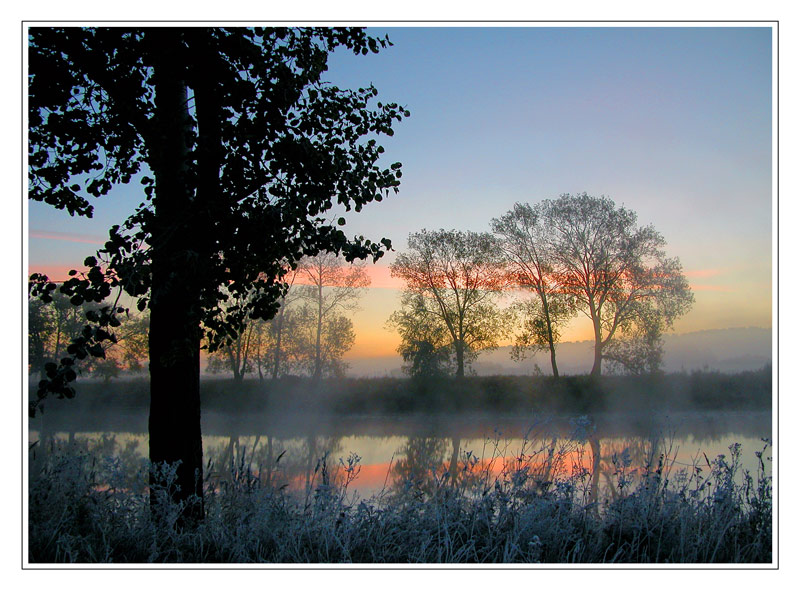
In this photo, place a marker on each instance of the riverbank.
(748, 390)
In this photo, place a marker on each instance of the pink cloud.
(54, 272)
(65, 237)
(703, 273)
(380, 278)
(721, 288)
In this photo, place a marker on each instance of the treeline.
(53, 326)
(556, 258)
(308, 336)
(310, 331)
(563, 257)
(699, 390)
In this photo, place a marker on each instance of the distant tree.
(640, 352)
(525, 241)
(235, 356)
(40, 329)
(616, 272)
(51, 327)
(452, 281)
(247, 148)
(134, 335)
(69, 320)
(107, 368)
(334, 287)
(261, 343)
(317, 350)
(273, 338)
(262, 346)
(426, 345)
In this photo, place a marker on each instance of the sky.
(673, 123)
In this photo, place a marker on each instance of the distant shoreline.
(502, 394)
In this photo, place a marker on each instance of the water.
(373, 455)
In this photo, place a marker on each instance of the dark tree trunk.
(459, 358)
(174, 423)
(175, 436)
(550, 339)
(598, 358)
(553, 359)
(318, 346)
(235, 359)
(276, 364)
(598, 345)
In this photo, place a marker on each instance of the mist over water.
(296, 448)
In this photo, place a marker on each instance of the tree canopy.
(618, 275)
(524, 237)
(241, 148)
(455, 277)
(270, 148)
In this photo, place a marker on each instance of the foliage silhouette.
(619, 276)
(247, 148)
(332, 289)
(452, 281)
(524, 237)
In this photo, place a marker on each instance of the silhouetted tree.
(616, 272)
(334, 287)
(525, 240)
(247, 148)
(426, 345)
(456, 277)
(316, 349)
(40, 329)
(134, 335)
(277, 327)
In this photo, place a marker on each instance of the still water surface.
(372, 454)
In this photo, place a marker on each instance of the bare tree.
(617, 272)
(525, 241)
(282, 320)
(457, 277)
(235, 356)
(334, 287)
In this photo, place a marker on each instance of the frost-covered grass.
(541, 507)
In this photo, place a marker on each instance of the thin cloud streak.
(380, 278)
(65, 237)
(57, 273)
(719, 288)
(703, 273)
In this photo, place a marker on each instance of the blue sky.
(674, 123)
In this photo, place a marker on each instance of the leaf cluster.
(271, 147)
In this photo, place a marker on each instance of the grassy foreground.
(541, 507)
